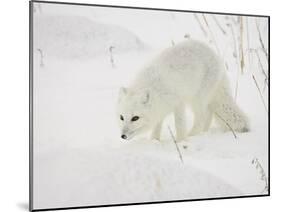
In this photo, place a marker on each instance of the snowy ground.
(79, 159)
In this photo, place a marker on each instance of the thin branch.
(256, 83)
(111, 56)
(261, 41)
(235, 136)
(260, 64)
(178, 150)
(234, 41)
(41, 57)
(242, 60)
(248, 43)
(211, 33)
(201, 26)
(219, 25)
(235, 21)
(263, 176)
(235, 55)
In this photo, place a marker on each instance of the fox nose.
(124, 136)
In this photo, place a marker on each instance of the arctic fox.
(189, 73)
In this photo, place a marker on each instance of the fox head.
(133, 112)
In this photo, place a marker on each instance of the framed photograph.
(132, 105)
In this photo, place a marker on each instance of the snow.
(79, 158)
(79, 37)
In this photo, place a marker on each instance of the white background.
(14, 104)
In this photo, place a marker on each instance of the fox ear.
(145, 98)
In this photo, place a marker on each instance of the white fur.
(189, 73)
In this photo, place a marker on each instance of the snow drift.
(80, 37)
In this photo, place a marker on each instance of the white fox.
(189, 73)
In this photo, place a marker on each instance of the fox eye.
(135, 118)
(121, 117)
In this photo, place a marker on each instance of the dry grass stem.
(175, 142)
(211, 34)
(219, 25)
(263, 176)
(235, 55)
(201, 26)
(41, 57)
(248, 43)
(111, 56)
(261, 41)
(261, 66)
(228, 125)
(256, 83)
(242, 60)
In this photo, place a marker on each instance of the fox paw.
(181, 139)
(155, 138)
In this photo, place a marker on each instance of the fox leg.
(208, 120)
(202, 119)
(180, 123)
(156, 132)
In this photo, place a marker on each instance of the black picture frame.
(31, 90)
